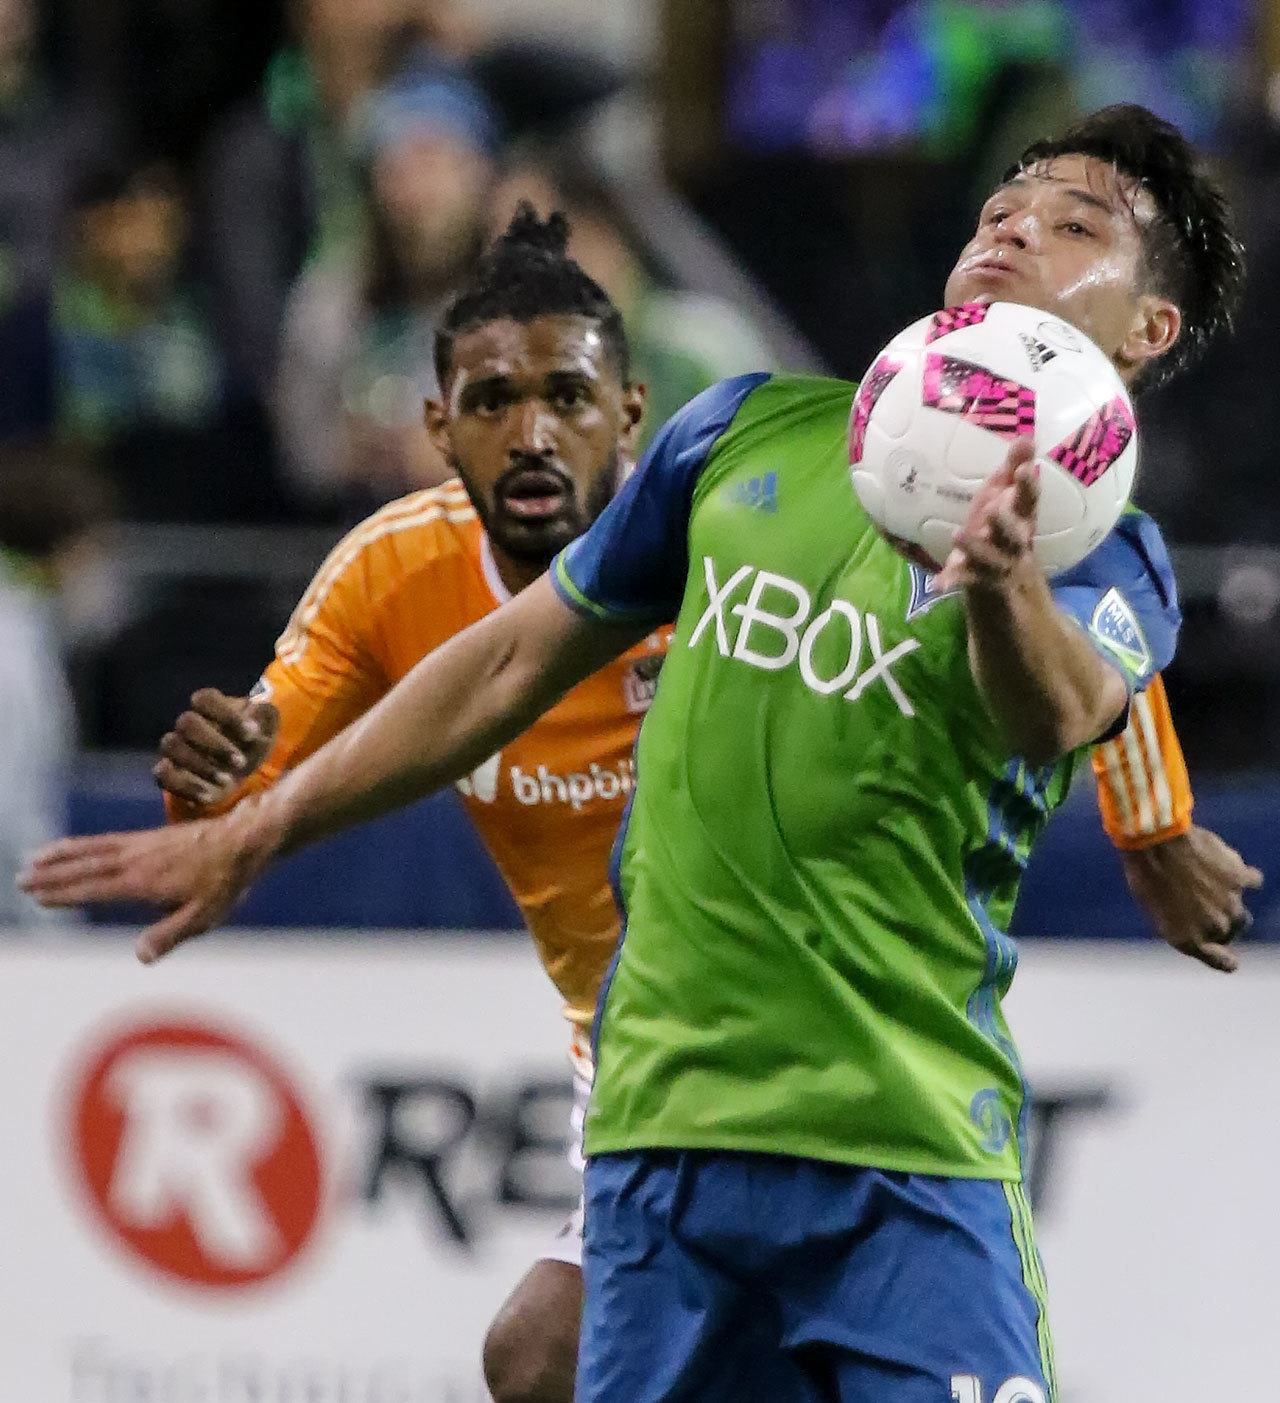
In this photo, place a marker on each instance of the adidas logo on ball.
(1037, 352)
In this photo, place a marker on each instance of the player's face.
(1066, 236)
(537, 424)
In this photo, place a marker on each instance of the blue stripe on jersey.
(633, 562)
(1017, 808)
(615, 882)
(1002, 961)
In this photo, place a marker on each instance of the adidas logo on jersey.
(758, 492)
(577, 789)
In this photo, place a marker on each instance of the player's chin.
(535, 541)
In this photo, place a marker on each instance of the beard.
(540, 540)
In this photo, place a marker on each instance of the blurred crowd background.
(227, 228)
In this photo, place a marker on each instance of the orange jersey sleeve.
(1143, 789)
(334, 659)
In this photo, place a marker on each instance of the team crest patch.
(1116, 627)
(923, 594)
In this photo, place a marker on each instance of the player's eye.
(996, 216)
(488, 399)
(1073, 226)
(569, 397)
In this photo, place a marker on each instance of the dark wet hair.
(524, 274)
(1191, 251)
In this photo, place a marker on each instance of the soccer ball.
(943, 402)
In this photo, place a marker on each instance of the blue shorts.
(864, 1286)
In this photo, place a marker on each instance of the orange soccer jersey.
(548, 806)
(1143, 789)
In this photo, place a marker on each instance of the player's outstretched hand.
(195, 871)
(215, 745)
(1192, 888)
(998, 532)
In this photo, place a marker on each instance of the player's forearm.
(456, 708)
(1042, 680)
(446, 717)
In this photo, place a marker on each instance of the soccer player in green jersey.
(808, 1110)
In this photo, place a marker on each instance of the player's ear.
(436, 419)
(1157, 324)
(631, 413)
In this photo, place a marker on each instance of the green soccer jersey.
(826, 838)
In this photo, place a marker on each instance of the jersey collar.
(489, 569)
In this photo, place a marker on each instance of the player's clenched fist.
(214, 746)
(997, 534)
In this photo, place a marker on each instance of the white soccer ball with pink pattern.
(943, 402)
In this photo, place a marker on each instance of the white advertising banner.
(287, 1171)
(1158, 1206)
(308, 1171)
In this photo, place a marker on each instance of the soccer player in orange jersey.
(539, 420)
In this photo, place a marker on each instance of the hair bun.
(527, 230)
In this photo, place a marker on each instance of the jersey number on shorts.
(966, 1388)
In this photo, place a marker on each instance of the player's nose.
(1016, 230)
(535, 428)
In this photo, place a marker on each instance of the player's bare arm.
(1044, 683)
(458, 706)
(454, 709)
(217, 743)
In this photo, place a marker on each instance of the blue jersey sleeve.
(632, 563)
(1124, 597)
